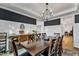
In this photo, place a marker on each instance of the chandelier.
(46, 13)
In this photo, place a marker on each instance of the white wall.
(67, 23)
(50, 30)
(40, 26)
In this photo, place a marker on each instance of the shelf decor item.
(22, 27)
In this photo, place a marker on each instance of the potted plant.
(34, 35)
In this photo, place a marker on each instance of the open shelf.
(3, 40)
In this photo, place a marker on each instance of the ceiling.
(35, 10)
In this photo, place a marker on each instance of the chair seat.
(18, 45)
(45, 53)
(25, 54)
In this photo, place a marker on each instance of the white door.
(76, 35)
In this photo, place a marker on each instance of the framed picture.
(22, 26)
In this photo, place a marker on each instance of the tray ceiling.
(35, 9)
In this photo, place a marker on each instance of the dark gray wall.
(77, 18)
(12, 16)
(52, 22)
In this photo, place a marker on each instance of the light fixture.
(47, 13)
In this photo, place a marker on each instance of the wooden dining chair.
(48, 51)
(53, 48)
(57, 49)
(60, 49)
(16, 51)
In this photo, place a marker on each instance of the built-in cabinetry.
(76, 35)
(3, 42)
(76, 31)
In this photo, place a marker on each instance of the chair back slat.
(52, 47)
(14, 48)
(60, 49)
(56, 47)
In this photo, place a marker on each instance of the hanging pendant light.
(47, 13)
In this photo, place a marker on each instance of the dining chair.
(60, 49)
(50, 50)
(53, 48)
(44, 52)
(16, 53)
(57, 48)
(39, 37)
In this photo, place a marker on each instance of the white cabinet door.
(76, 35)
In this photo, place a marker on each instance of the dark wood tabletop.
(35, 48)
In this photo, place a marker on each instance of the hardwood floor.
(67, 52)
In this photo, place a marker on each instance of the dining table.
(35, 48)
